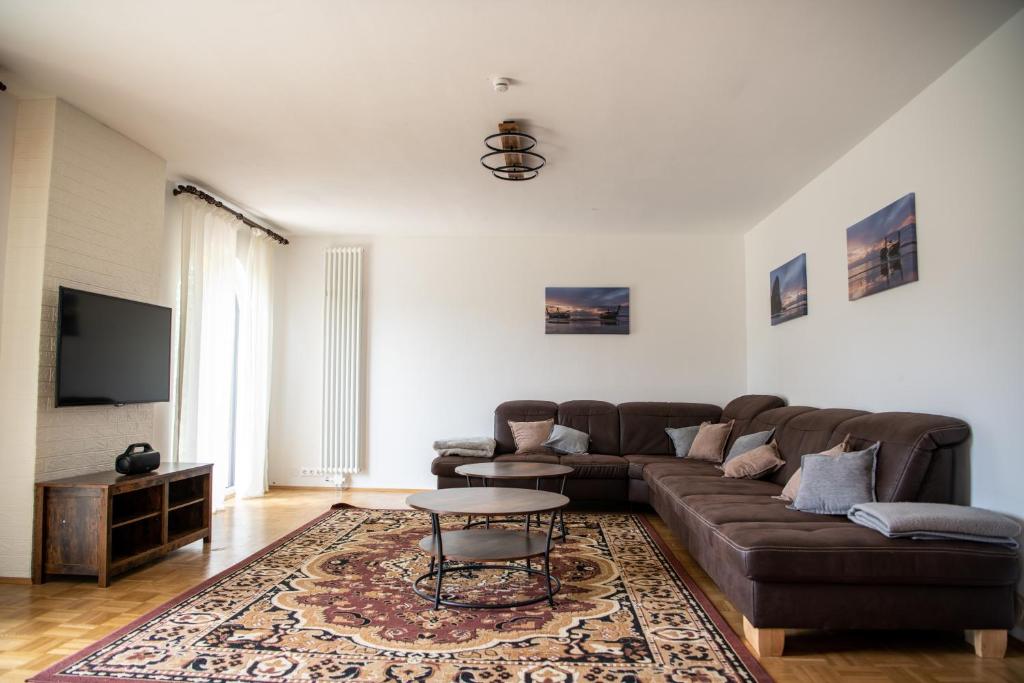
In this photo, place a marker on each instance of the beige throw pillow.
(754, 463)
(530, 436)
(789, 491)
(709, 444)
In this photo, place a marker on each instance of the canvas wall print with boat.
(789, 290)
(881, 250)
(586, 310)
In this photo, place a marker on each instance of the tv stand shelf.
(104, 523)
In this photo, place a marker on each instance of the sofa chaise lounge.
(779, 567)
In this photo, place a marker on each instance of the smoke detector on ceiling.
(500, 83)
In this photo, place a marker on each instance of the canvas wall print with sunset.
(789, 290)
(586, 310)
(881, 250)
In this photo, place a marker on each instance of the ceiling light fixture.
(510, 156)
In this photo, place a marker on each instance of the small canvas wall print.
(789, 290)
(881, 250)
(586, 310)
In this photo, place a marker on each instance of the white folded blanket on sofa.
(473, 446)
(937, 521)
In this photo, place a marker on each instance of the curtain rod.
(210, 199)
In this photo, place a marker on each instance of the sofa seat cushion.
(843, 552)
(680, 467)
(724, 508)
(444, 465)
(638, 461)
(535, 456)
(596, 466)
(680, 486)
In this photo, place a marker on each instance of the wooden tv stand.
(104, 523)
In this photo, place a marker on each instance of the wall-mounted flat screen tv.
(111, 351)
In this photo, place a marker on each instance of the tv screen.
(111, 351)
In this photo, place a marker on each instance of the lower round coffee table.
(489, 471)
(482, 549)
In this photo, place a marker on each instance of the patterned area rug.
(333, 601)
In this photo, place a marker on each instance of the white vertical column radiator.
(341, 436)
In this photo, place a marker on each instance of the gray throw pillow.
(682, 438)
(832, 484)
(567, 440)
(749, 443)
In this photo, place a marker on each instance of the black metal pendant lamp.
(511, 156)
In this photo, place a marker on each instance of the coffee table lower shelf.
(486, 550)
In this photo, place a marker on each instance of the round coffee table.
(489, 471)
(486, 549)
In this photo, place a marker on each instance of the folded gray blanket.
(937, 521)
(466, 452)
(478, 446)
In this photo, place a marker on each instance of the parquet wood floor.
(41, 624)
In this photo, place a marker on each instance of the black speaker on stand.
(140, 461)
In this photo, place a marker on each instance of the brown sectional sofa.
(779, 567)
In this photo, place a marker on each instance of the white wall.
(167, 295)
(456, 325)
(86, 210)
(19, 328)
(953, 342)
(104, 234)
(8, 118)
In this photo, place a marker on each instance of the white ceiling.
(333, 116)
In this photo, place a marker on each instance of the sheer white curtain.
(207, 346)
(255, 343)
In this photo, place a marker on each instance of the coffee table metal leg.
(487, 518)
(561, 515)
(439, 556)
(469, 518)
(528, 520)
(547, 560)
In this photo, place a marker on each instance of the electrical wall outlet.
(306, 472)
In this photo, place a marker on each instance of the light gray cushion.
(567, 440)
(831, 485)
(682, 438)
(749, 443)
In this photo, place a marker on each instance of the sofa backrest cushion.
(642, 425)
(598, 419)
(519, 411)
(809, 431)
(918, 457)
(776, 418)
(743, 410)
